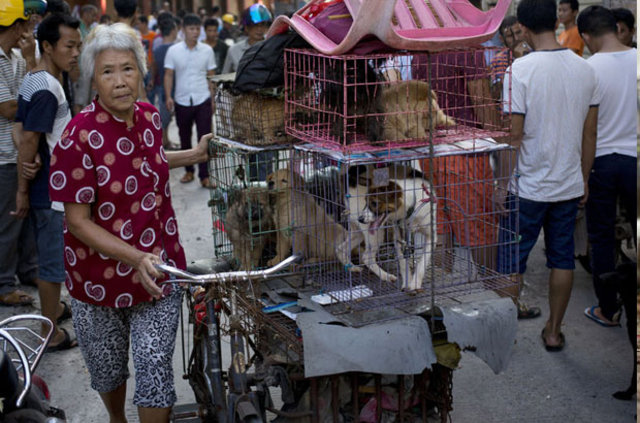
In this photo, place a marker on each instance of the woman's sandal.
(66, 344)
(553, 348)
(66, 313)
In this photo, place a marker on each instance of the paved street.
(574, 385)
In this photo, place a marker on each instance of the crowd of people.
(85, 105)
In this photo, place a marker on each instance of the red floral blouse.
(124, 175)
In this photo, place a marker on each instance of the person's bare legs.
(560, 285)
(114, 402)
(50, 307)
(154, 415)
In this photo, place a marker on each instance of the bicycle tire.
(195, 374)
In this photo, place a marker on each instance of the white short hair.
(118, 36)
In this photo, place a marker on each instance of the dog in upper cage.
(317, 233)
(249, 222)
(258, 117)
(400, 199)
(371, 100)
(411, 110)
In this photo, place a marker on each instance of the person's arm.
(152, 74)
(589, 137)
(212, 88)
(29, 169)
(80, 224)
(506, 165)
(8, 109)
(168, 88)
(228, 62)
(27, 45)
(27, 151)
(483, 108)
(198, 154)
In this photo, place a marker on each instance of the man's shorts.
(558, 220)
(464, 187)
(104, 334)
(47, 227)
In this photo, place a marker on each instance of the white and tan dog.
(401, 205)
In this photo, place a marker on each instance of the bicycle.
(235, 395)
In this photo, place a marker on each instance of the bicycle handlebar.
(186, 277)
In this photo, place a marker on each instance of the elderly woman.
(112, 174)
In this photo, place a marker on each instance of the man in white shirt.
(192, 63)
(553, 115)
(613, 176)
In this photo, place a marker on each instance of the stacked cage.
(392, 197)
(250, 145)
(356, 103)
(244, 221)
(407, 231)
(253, 118)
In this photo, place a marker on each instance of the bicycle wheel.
(196, 373)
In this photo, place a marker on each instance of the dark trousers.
(186, 116)
(613, 176)
(18, 253)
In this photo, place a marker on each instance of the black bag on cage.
(262, 66)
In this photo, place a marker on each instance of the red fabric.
(124, 175)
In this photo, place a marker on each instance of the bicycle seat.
(418, 25)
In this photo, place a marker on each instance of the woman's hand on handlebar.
(147, 273)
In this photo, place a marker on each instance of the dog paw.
(388, 278)
(354, 268)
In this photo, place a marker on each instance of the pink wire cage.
(415, 25)
(362, 103)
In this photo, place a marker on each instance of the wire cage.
(356, 103)
(405, 229)
(255, 118)
(241, 202)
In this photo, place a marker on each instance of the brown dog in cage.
(319, 232)
(258, 119)
(249, 223)
(406, 205)
(411, 110)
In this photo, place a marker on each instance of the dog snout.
(362, 220)
(271, 184)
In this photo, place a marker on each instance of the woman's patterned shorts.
(103, 335)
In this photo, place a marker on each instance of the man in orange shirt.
(570, 38)
(146, 36)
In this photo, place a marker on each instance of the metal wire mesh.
(405, 228)
(255, 118)
(244, 221)
(380, 101)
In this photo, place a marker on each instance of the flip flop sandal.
(552, 348)
(16, 298)
(66, 344)
(591, 314)
(187, 177)
(66, 313)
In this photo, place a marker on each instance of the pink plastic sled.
(433, 25)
